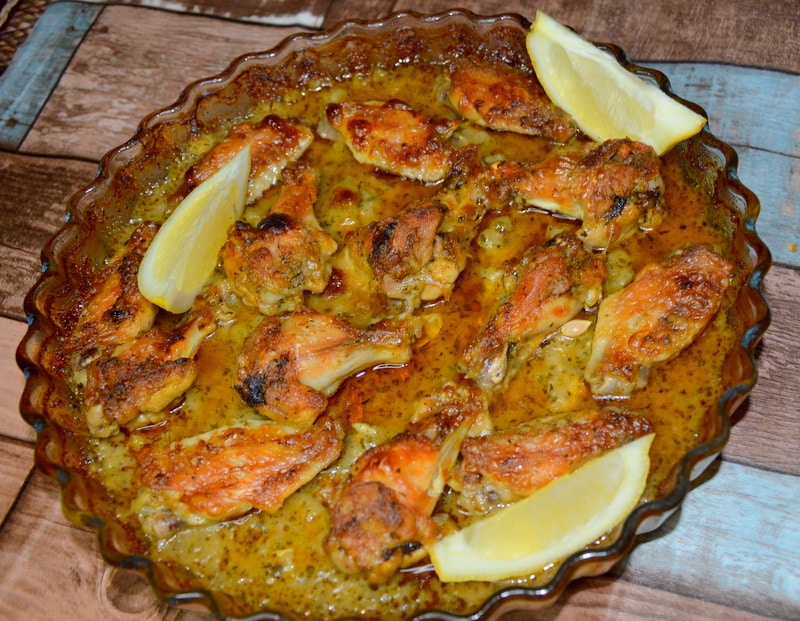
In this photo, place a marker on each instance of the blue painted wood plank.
(748, 107)
(775, 179)
(756, 111)
(38, 65)
(737, 537)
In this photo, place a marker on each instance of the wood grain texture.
(37, 66)
(33, 197)
(767, 427)
(741, 524)
(11, 423)
(728, 32)
(609, 599)
(16, 463)
(49, 567)
(307, 13)
(147, 57)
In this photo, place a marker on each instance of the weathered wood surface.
(731, 552)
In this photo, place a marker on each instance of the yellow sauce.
(277, 562)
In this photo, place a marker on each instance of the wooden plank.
(744, 112)
(770, 414)
(306, 13)
(49, 566)
(741, 102)
(37, 66)
(11, 423)
(368, 9)
(775, 180)
(744, 32)
(735, 539)
(33, 196)
(16, 462)
(604, 598)
(110, 84)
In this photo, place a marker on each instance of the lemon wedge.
(605, 99)
(561, 518)
(183, 254)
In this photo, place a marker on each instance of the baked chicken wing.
(654, 318)
(503, 98)
(274, 144)
(550, 285)
(395, 138)
(290, 365)
(614, 188)
(274, 263)
(507, 466)
(226, 472)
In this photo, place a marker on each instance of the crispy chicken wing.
(115, 311)
(226, 472)
(551, 285)
(395, 138)
(273, 264)
(503, 98)
(382, 519)
(507, 466)
(654, 318)
(274, 143)
(418, 255)
(143, 376)
(615, 188)
(290, 365)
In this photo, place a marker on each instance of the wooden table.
(88, 72)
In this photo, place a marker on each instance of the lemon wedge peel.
(183, 255)
(557, 520)
(606, 100)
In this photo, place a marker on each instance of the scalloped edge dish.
(73, 251)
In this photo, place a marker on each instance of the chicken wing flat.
(224, 473)
(503, 98)
(654, 318)
(506, 466)
(274, 263)
(395, 138)
(552, 284)
(114, 311)
(274, 144)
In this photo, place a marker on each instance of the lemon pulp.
(183, 254)
(605, 99)
(561, 518)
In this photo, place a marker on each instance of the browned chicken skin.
(227, 472)
(614, 187)
(274, 143)
(115, 311)
(273, 264)
(503, 98)
(654, 318)
(382, 519)
(395, 138)
(143, 376)
(418, 255)
(552, 284)
(507, 466)
(290, 365)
